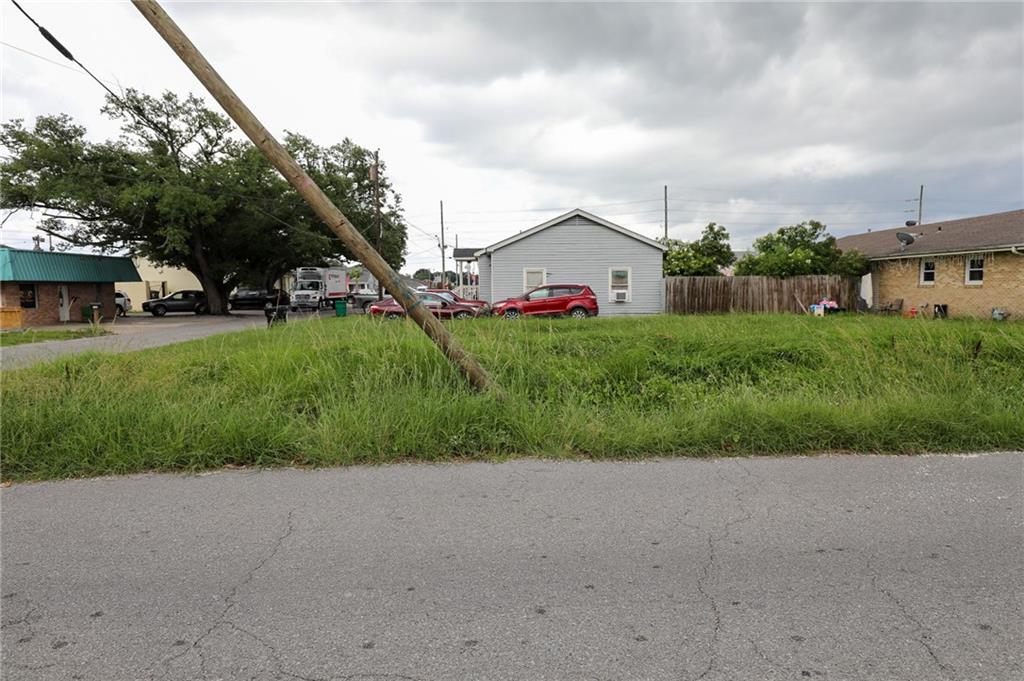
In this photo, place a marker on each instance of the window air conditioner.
(620, 296)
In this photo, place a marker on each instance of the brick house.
(38, 288)
(970, 266)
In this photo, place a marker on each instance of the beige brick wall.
(1002, 287)
(47, 310)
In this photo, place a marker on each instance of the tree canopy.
(704, 257)
(180, 189)
(806, 248)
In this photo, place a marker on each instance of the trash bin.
(275, 313)
(87, 311)
(340, 308)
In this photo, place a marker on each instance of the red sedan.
(453, 297)
(574, 300)
(441, 308)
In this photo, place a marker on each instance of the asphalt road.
(823, 568)
(135, 332)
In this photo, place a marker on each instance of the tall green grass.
(343, 391)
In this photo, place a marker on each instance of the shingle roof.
(562, 218)
(998, 231)
(31, 265)
(469, 253)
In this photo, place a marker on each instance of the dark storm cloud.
(747, 94)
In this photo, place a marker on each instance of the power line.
(39, 56)
(50, 38)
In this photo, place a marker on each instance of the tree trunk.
(214, 287)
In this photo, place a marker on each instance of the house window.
(927, 272)
(975, 271)
(28, 295)
(534, 277)
(620, 281)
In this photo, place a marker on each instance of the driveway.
(884, 568)
(135, 332)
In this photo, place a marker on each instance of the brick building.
(38, 288)
(965, 267)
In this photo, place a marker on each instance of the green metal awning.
(25, 265)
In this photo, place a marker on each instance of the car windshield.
(447, 296)
(308, 286)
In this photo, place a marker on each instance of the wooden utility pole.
(443, 278)
(375, 176)
(458, 265)
(920, 205)
(313, 195)
(666, 213)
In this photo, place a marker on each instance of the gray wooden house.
(622, 267)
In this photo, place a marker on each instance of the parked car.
(362, 297)
(179, 301)
(574, 300)
(453, 297)
(441, 308)
(253, 299)
(123, 303)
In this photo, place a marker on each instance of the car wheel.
(579, 313)
(511, 313)
(394, 315)
(159, 310)
(120, 311)
(200, 309)
(463, 315)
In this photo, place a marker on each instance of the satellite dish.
(904, 238)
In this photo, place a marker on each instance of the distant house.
(962, 267)
(622, 267)
(464, 259)
(156, 281)
(42, 287)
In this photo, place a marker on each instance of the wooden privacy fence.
(695, 295)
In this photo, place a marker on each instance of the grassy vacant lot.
(338, 391)
(8, 338)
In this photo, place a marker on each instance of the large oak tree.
(180, 188)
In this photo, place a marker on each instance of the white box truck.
(317, 287)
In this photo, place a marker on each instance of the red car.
(575, 300)
(453, 297)
(441, 308)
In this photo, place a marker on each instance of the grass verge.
(8, 338)
(355, 390)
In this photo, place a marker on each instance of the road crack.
(920, 631)
(230, 600)
(709, 568)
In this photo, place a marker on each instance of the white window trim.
(920, 276)
(543, 273)
(629, 287)
(967, 271)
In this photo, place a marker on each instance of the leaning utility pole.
(313, 195)
(375, 176)
(443, 278)
(920, 205)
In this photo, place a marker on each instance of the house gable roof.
(998, 231)
(36, 266)
(578, 212)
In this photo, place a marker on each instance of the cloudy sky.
(754, 115)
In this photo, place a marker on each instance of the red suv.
(575, 300)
